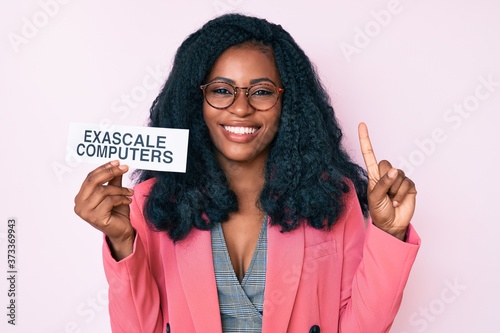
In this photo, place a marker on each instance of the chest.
(241, 302)
(240, 236)
(302, 266)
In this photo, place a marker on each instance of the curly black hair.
(307, 172)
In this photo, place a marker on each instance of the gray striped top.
(241, 305)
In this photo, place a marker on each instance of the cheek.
(206, 114)
(272, 128)
(209, 119)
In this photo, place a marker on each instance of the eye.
(221, 89)
(261, 91)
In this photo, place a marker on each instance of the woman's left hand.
(391, 195)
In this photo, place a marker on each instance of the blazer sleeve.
(376, 267)
(134, 298)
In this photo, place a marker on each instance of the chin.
(241, 155)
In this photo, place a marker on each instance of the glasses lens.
(219, 94)
(263, 96)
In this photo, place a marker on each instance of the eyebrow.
(252, 82)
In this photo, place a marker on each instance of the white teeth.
(240, 130)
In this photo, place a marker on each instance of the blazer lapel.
(195, 263)
(285, 255)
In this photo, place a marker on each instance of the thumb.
(378, 194)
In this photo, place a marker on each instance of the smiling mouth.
(241, 130)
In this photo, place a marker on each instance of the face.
(239, 132)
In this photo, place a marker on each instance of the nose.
(240, 106)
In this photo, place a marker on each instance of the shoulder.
(142, 190)
(144, 187)
(137, 214)
(351, 222)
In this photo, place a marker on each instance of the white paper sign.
(148, 148)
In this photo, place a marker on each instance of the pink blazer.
(349, 279)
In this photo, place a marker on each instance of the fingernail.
(395, 203)
(114, 163)
(392, 173)
(123, 167)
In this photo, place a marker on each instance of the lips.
(240, 134)
(240, 129)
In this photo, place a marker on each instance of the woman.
(265, 232)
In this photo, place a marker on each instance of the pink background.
(413, 66)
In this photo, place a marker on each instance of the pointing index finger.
(367, 151)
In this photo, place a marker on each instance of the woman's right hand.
(104, 204)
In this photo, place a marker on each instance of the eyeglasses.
(261, 96)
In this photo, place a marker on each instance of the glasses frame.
(236, 90)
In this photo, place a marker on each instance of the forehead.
(244, 63)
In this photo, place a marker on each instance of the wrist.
(399, 233)
(121, 247)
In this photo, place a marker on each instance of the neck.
(246, 179)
